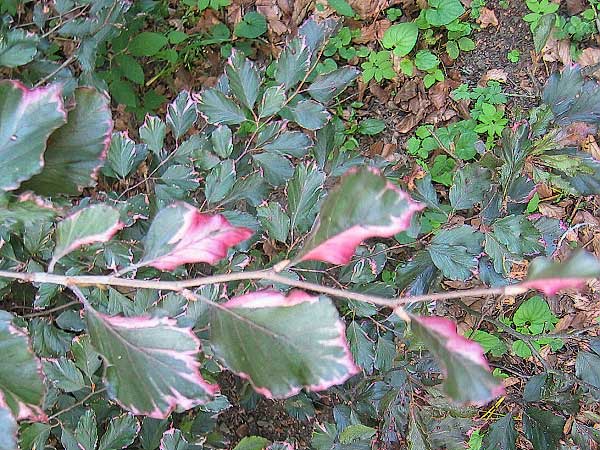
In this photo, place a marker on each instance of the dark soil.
(492, 47)
(268, 419)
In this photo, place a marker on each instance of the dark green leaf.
(455, 252)
(587, 367)
(327, 86)
(121, 433)
(252, 25)
(130, 68)
(471, 183)
(542, 31)
(310, 114)
(274, 220)
(147, 43)
(123, 155)
(293, 64)
(64, 374)
(304, 191)
(272, 101)
(501, 435)
(341, 7)
(543, 429)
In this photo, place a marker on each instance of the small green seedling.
(538, 8)
(378, 67)
(514, 56)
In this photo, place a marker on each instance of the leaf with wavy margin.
(77, 150)
(467, 372)
(97, 223)
(152, 364)
(22, 388)
(282, 344)
(181, 234)
(550, 276)
(28, 118)
(364, 205)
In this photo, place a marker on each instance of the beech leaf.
(364, 205)
(77, 150)
(468, 376)
(550, 277)
(97, 223)
(28, 117)
(181, 234)
(282, 344)
(21, 384)
(151, 363)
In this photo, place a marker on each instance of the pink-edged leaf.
(77, 150)
(22, 387)
(96, 223)
(550, 276)
(28, 117)
(181, 234)
(364, 205)
(467, 374)
(152, 363)
(281, 343)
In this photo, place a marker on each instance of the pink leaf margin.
(456, 343)
(190, 359)
(34, 413)
(54, 92)
(91, 239)
(268, 298)
(340, 248)
(551, 286)
(201, 238)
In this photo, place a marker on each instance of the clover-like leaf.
(28, 117)
(550, 277)
(21, 384)
(364, 205)
(282, 343)
(77, 150)
(468, 376)
(151, 363)
(97, 223)
(181, 234)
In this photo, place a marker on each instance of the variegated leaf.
(364, 205)
(468, 378)
(550, 277)
(152, 364)
(181, 234)
(97, 223)
(21, 384)
(282, 343)
(28, 117)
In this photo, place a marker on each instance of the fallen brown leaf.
(494, 74)
(373, 32)
(576, 6)
(555, 50)
(487, 17)
(553, 211)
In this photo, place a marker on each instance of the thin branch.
(75, 405)
(51, 310)
(270, 275)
